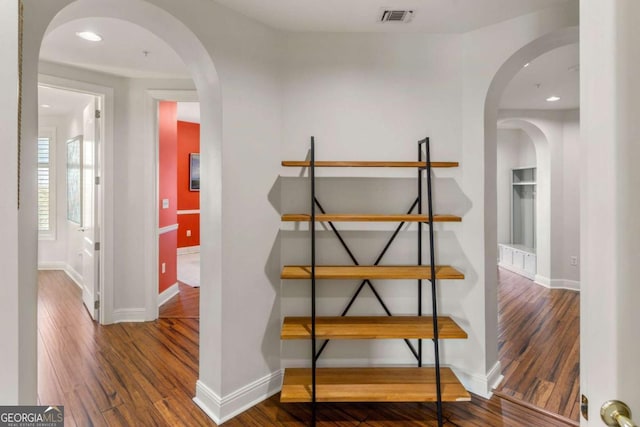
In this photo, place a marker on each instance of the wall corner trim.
(168, 293)
(570, 285)
(482, 385)
(542, 281)
(222, 409)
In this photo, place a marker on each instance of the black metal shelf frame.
(418, 202)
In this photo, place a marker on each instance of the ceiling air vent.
(387, 15)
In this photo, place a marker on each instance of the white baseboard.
(482, 385)
(52, 265)
(189, 250)
(129, 315)
(60, 265)
(208, 401)
(222, 409)
(168, 293)
(75, 276)
(571, 285)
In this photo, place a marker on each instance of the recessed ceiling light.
(45, 105)
(89, 35)
(553, 98)
(526, 65)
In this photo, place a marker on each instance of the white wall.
(610, 202)
(571, 168)
(371, 96)
(515, 149)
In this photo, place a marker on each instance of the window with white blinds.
(46, 186)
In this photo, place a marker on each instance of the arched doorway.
(198, 60)
(541, 140)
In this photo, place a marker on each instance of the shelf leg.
(312, 179)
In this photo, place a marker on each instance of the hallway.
(539, 344)
(144, 374)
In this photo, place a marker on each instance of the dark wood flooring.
(144, 374)
(539, 344)
(185, 305)
(128, 374)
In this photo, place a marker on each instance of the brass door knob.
(616, 414)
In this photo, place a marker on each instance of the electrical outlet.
(188, 233)
(574, 260)
(164, 267)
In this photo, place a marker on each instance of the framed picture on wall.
(194, 171)
(74, 180)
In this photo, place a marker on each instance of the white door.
(610, 204)
(90, 210)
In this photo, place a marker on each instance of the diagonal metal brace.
(366, 281)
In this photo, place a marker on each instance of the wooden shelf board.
(357, 327)
(370, 272)
(366, 164)
(370, 218)
(371, 385)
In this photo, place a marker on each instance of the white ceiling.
(61, 102)
(554, 73)
(432, 16)
(120, 52)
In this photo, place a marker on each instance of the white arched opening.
(499, 79)
(502, 77)
(499, 82)
(40, 18)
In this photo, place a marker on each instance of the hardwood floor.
(128, 374)
(539, 344)
(144, 374)
(185, 305)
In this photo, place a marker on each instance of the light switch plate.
(165, 203)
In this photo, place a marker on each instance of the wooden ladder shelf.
(373, 384)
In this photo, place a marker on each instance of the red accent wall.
(168, 254)
(167, 189)
(188, 142)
